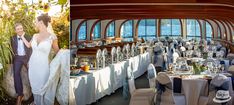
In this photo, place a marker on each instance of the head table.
(88, 88)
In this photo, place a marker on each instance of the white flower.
(1, 66)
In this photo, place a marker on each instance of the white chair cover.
(220, 54)
(124, 51)
(119, 54)
(166, 97)
(113, 55)
(128, 51)
(152, 75)
(232, 62)
(190, 47)
(231, 69)
(139, 96)
(99, 58)
(175, 56)
(99, 43)
(104, 57)
(189, 53)
(182, 48)
(220, 81)
(133, 50)
(230, 56)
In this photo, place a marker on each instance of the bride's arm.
(28, 44)
(55, 45)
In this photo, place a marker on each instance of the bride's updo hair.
(45, 18)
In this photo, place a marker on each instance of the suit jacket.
(14, 45)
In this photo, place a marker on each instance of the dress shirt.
(20, 48)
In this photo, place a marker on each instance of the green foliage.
(62, 2)
(61, 29)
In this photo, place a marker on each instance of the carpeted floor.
(117, 98)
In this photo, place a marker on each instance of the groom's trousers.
(18, 63)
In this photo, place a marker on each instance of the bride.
(41, 45)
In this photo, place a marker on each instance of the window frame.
(193, 36)
(123, 36)
(171, 28)
(100, 30)
(107, 35)
(78, 34)
(210, 37)
(146, 36)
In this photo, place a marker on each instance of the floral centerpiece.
(198, 68)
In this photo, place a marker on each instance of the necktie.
(19, 38)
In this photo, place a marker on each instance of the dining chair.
(124, 51)
(143, 96)
(165, 95)
(105, 59)
(219, 82)
(113, 55)
(99, 58)
(128, 54)
(119, 54)
(133, 50)
(151, 75)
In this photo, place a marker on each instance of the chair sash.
(158, 53)
(177, 83)
(232, 80)
(224, 86)
(232, 62)
(160, 89)
(126, 91)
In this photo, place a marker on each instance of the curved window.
(82, 31)
(147, 29)
(127, 30)
(208, 31)
(110, 32)
(170, 28)
(219, 33)
(97, 31)
(193, 29)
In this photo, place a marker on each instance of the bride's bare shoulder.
(35, 35)
(53, 36)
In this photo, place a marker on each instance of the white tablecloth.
(86, 89)
(195, 87)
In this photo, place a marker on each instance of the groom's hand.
(22, 35)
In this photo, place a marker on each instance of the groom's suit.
(21, 55)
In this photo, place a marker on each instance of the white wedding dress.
(39, 69)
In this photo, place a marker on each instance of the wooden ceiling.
(139, 9)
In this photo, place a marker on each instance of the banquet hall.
(152, 52)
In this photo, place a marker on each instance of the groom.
(20, 58)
